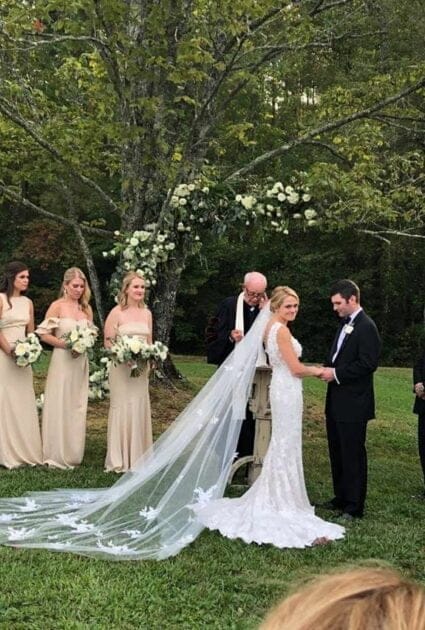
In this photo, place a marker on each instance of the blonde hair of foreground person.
(358, 599)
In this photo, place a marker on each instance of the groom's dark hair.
(346, 288)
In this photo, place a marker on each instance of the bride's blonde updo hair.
(122, 297)
(278, 296)
(70, 274)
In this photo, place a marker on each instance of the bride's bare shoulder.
(283, 333)
(267, 329)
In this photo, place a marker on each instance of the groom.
(350, 403)
(234, 318)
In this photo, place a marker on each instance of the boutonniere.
(348, 329)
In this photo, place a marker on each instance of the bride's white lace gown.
(276, 508)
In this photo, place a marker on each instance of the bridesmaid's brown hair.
(7, 280)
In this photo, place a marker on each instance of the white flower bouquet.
(27, 351)
(81, 338)
(136, 353)
(98, 379)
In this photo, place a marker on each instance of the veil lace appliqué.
(149, 513)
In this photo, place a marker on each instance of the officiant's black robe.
(221, 345)
(219, 348)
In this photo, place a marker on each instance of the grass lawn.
(218, 583)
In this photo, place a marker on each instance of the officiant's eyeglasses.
(254, 294)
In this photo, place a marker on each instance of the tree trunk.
(163, 302)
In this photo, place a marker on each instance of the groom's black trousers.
(347, 453)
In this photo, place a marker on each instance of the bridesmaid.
(129, 420)
(67, 384)
(20, 441)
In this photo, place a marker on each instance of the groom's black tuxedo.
(220, 345)
(350, 403)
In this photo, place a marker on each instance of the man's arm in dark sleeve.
(419, 370)
(219, 348)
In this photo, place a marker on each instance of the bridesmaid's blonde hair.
(278, 296)
(126, 281)
(69, 275)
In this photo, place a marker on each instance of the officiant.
(234, 317)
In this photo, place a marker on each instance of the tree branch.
(108, 54)
(378, 234)
(18, 120)
(47, 39)
(52, 39)
(387, 121)
(315, 8)
(252, 29)
(273, 51)
(330, 126)
(330, 148)
(91, 267)
(319, 8)
(26, 203)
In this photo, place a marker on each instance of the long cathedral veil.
(148, 513)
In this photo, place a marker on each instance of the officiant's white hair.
(363, 598)
(255, 276)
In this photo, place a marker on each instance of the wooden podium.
(259, 404)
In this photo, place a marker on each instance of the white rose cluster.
(141, 251)
(195, 205)
(136, 352)
(191, 208)
(27, 351)
(276, 205)
(98, 380)
(81, 338)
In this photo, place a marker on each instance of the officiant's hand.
(263, 301)
(236, 335)
(327, 375)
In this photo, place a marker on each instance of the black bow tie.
(345, 320)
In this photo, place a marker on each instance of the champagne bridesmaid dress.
(20, 441)
(65, 399)
(129, 420)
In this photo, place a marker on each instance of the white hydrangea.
(310, 213)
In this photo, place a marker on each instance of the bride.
(276, 508)
(162, 504)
